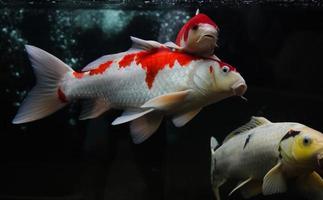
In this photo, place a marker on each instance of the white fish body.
(147, 81)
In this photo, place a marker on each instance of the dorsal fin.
(253, 123)
(141, 44)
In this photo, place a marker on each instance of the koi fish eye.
(307, 141)
(225, 69)
(195, 27)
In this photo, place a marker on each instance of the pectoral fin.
(240, 185)
(274, 181)
(311, 186)
(167, 101)
(143, 127)
(181, 119)
(130, 115)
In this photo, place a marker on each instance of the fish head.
(305, 148)
(218, 81)
(228, 80)
(198, 36)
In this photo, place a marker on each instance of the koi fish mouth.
(209, 36)
(320, 160)
(239, 88)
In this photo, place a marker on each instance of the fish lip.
(320, 160)
(239, 88)
(210, 36)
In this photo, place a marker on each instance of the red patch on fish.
(61, 96)
(155, 60)
(101, 68)
(78, 75)
(126, 60)
(197, 19)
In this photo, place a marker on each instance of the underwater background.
(277, 46)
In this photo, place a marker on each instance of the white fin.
(143, 127)
(138, 43)
(167, 101)
(180, 120)
(172, 45)
(311, 186)
(253, 123)
(251, 189)
(240, 185)
(42, 100)
(197, 11)
(92, 108)
(130, 115)
(274, 181)
(213, 144)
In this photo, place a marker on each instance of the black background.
(277, 49)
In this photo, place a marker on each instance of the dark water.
(277, 47)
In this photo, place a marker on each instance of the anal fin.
(93, 108)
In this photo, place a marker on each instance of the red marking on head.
(222, 64)
(211, 69)
(61, 96)
(197, 19)
(101, 68)
(78, 75)
(155, 60)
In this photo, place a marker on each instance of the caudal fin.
(45, 98)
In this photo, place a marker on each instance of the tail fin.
(44, 99)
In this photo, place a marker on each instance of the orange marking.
(101, 68)
(78, 75)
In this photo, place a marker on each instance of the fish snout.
(239, 88)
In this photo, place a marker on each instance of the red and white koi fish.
(148, 81)
(198, 36)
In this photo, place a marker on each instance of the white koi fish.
(148, 81)
(267, 157)
(198, 36)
